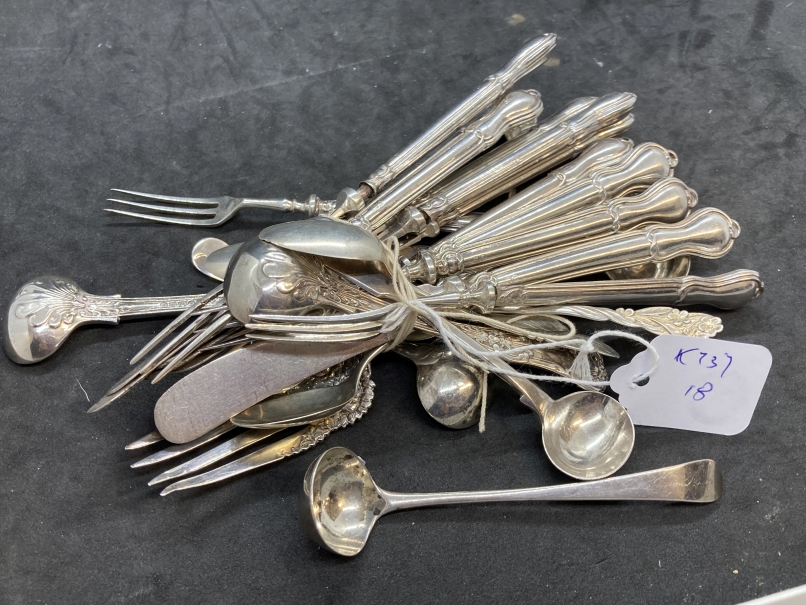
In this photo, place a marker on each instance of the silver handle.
(515, 110)
(646, 164)
(311, 207)
(521, 159)
(668, 201)
(726, 291)
(699, 481)
(607, 152)
(708, 233)
(528, 58)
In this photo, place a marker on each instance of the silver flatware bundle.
(483, 225)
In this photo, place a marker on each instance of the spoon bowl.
(449, 389)
(587, 434)
(340, 503)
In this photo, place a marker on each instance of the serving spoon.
(339, 502)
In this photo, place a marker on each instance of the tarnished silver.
(46, 310)
(510, 165)
(516, 110)
(667, 201)
(211, 211)
(339, 503)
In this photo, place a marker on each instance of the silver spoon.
(339, 503)
(449, 389)
(307, 405)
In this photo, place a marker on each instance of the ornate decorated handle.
(46, 310)
(656, 320)
(514, 111)
(727, 291)
(311, 207)
(598, 155)
(521, 159)
(528, 58)
(708, 233)
(667, 201)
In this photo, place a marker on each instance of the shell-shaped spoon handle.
(46, 310)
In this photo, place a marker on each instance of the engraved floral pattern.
(59, 303)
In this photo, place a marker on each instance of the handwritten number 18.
(699, 393)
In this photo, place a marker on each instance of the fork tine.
(172, 451)
(158, 219)
(170, 198)
(179, 320)
(168, 209)
(145, 441)
(190, 346)
(265, 455)
(215, 454)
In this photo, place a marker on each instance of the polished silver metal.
(642, 166)
(508, 166)
(532, 55)
(707, 233)
(674, 267)
(667, 201)
(726, 291)
(200, 256)
(201, 401)
(587, 435)
(516, 110)
(596, 156)
(339, 503)
(46, 310)
(450, 390)
(307, 405)
(295, 443)
(327, 238)
(211, 211)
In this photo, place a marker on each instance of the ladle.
(339, 503)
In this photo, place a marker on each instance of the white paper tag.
(701, 384)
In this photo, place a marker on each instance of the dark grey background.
(260, 98)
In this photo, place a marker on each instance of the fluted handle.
(528, 58)
(667, 201)
(726, 291)
(607, 152)
(521, 159)
(707, 233)
(515, 110)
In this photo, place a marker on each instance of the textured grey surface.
(260, 98)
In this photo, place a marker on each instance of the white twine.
(402, 316)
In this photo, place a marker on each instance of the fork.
(211, 211)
